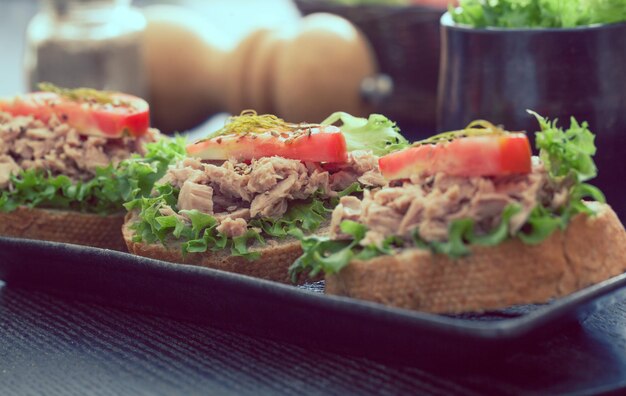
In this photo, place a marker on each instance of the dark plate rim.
(505, 329)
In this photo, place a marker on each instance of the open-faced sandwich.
(471, 222)
(234, 201)
(69, 159)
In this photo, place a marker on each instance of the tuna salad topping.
(235, 192)
(429, 204)
(55, 147)
(433, 203)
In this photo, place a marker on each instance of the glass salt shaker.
(87, 43)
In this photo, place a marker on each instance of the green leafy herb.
(376, 133)
(305, 215)
(324, 254)
(462, 234)
(105, 193)
(568, 156)
(498, 233)
(199, 233)
(566, 153)
(538, 13)
(196, 231)
(542, 224)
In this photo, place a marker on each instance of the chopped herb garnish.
(249, 122)
(475, 128)
(80, 94)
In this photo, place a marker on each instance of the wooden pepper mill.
(302, 72)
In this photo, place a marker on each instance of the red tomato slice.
(488, 155)
(317, 144)
(126, 114)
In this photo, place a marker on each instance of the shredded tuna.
(362, 166)
(349, 208)
(429, 204)
(235, 214)
(7, 167)
(60, 149)
(168, 211)
(196, 196)
(261, 189)
(233, 227)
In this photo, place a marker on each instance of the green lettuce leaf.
(200, 234)
(566, 152)
(323, 254)
(540, 224)
(568, 156)
(105, 193)
(303, 215)
(376, 133)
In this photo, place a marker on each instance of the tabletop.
(58, 345)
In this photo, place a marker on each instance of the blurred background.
(198, 61)
(193, 59)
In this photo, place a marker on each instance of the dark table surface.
(52, 345)
(56, 346)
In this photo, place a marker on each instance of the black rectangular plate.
(302, 315)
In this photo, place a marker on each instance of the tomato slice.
(125, 114)
(487, 155)
(315, 144)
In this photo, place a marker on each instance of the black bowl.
(496, 74)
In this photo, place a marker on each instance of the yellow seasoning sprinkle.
(87, 95)
(474, 128)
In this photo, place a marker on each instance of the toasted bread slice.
(590, 250)
(64, 226)
(276, 256)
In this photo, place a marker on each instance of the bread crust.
(590, 250)
(272, 265)
(64, 226)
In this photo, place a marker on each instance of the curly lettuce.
(568, 157)
(197, 232)
(322, 253)
(376, 133)
(538, 13)
(105, 193)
